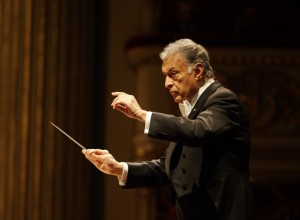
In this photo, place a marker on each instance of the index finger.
(100, 152)
(118, 93)
(94, 151)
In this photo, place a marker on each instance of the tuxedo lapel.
(202, 99)
(174, 150)
(170, 157)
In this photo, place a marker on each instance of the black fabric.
(203, 207)
(175, 156)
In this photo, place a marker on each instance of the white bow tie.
(185, 108)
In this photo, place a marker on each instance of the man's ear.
(198, 71)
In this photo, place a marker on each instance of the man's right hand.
(128, 105)
(104, 161)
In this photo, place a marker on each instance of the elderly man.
(207, 162)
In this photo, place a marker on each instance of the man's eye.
(173, 75)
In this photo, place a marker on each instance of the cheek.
(182, 91)
(183, 85)
(186, 87)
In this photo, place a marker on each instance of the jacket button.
(183, 171)
(183, 187)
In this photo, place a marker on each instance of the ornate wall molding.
(291, 58)
(268, 83)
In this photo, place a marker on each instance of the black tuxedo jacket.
(207, 162)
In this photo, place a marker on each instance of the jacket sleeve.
(219, 116)
(146, 174)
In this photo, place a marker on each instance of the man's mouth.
(174, 93)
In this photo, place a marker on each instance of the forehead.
(176, 61)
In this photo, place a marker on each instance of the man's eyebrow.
(170, 69)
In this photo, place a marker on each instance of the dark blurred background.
(60, 60)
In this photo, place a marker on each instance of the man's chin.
(178, 99)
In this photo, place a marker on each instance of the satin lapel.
(201, 101)
(169, 153)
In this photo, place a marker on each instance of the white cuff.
(147, 122)
(122, 179)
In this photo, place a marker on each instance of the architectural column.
(152, 96)
(150, 16)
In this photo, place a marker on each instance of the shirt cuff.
(147, 122)
(122, 179)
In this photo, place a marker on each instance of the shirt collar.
(186, 107)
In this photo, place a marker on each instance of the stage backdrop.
(47, 66)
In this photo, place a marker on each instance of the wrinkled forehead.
(173, 61)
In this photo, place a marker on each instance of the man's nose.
(168, 82)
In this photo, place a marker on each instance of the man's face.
(181, 84)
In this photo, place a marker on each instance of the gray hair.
(192, 52)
